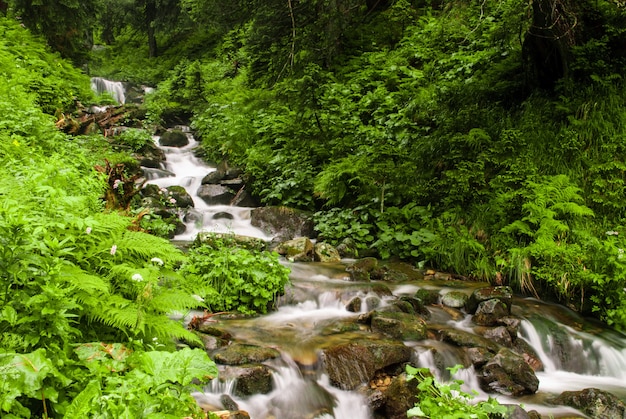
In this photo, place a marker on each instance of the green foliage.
(233, 278)
(123, 383)
(134, 138)
(26, 63)
(447, 400)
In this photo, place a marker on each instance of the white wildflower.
(113, 249)
(88, 230)
(157, 261)
(137, 277)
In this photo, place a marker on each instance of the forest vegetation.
(481, 137)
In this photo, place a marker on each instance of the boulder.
(400, 396)
(454, 299)
(490, 312)
(282, 222)
(174, 138)
(180, 197)
(324, 252)
(243, 198)
(215, 194)
(296, 250)
(469, 340)
(596, 403)
(401, 326)
(349, 365)
(249, 379)
(239, 354)
(502, 293)
(508, 374)
(362, 269)
(499, 334)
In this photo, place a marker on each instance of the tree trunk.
(150, 16)
(548, 41)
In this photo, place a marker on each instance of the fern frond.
(173, 300)
(84, 281)
(143, 247)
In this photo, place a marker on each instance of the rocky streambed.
(339, 342)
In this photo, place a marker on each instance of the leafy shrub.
(447, 401)
(233, 278)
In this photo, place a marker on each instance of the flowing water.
(114, 88)
(576, 353)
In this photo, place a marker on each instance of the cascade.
(114, 88)
(297, 330)
(183, 168)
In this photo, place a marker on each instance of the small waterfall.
(294, 396)
(183, 168)
(114, 88)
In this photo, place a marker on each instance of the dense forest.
(481, 137)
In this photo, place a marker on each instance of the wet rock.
(529, 354)
(372, 302)
(347, 248)
(379, 289)
(350, 364)
(516, 412)
(594, 402)
(212, 343)
(228, 403)
(511, 323)
(181, 199)
(478, 356)
(427, 296)
(502, 293)
(243, 199)
(296, 250)
(174, 138)
(454, 299)
(334, 327)
(400, 396)
(417, 305)
(223, 216)
(467, 339)
(215, 194)
(354, 305)
(508, 374)
(489, 312)
(363, 269)
(499, 334)
(401, 326)
(239, 353)
(282, 222)
(249, 379)
(213, 178)
(150, 156)
(324, 252)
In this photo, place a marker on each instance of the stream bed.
(576, 353)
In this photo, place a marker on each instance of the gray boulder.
(215, 194)
(174, 138)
